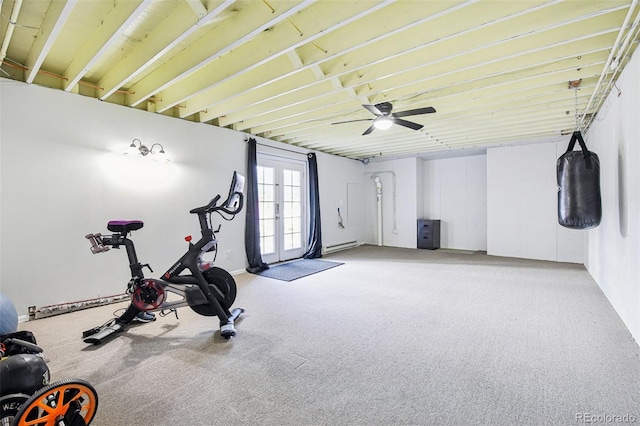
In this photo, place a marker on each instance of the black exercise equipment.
(191, 281)
(578, 174)
(26, 396)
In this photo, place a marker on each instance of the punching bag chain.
(575, 85)
(577, 120)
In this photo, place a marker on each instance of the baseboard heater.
(63, 308)
(332, 248)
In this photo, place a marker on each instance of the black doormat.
(297, 269)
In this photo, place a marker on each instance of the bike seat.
(124, 225)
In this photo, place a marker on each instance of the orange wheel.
(67, 402)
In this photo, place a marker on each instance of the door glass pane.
(268, 193)
(287, 177)
(267, 245)
(292, 209)
(266, 205)
(266, 175)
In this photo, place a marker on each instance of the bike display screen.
(235, 191)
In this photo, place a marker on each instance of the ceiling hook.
(575, 85)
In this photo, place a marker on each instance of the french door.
(281, 198)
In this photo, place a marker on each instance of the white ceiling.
(495, 71)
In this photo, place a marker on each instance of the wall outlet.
(228, 254)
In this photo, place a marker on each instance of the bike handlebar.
(211, 207)
(208, 208)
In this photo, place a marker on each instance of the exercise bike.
(192, 281)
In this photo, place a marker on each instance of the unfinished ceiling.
(495, 71)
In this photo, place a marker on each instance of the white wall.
(63, 176)
(522, 205)
(405, 172)
(456, 193)
(504, 202)
(341, 186)
(613, 248)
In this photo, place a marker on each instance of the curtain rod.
(282, 149)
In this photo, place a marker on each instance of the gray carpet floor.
(392, 337)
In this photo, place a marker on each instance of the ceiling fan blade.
(409, 124)
(353, 121)
(373, 109)
(427, 110)
(369, 130)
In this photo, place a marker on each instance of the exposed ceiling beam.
(159, 43)
(468, 116)
(403, 145)
(199, 8)
(15, 12)
(123, 14)
(183, 95)
(295, 59)
(478, 140)
(464, 83)
(191, 70)
(614, 50)
(54, 21)
(418, 52)
(498, 51)
(316, 91)
(272, 109)
(202, 100)
(450, 98)
(460, 109)
(437, 127)
(348, 68)
(480, 121)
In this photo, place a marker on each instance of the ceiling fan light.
(383, 123)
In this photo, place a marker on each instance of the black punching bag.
(578, 172)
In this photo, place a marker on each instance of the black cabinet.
(428, 234)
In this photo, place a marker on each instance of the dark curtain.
(252, 224)
(314, 246)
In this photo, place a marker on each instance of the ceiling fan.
(384, 118)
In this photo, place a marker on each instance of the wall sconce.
(143, 150)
